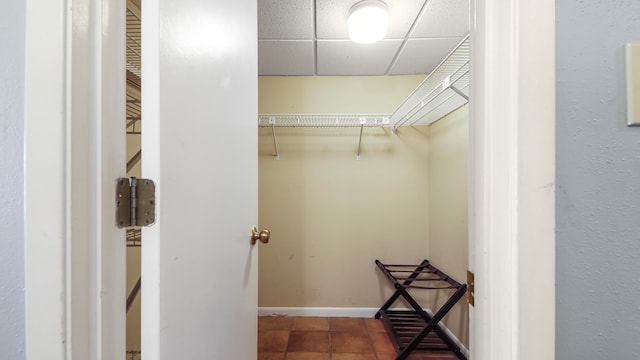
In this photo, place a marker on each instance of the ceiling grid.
(310, 37)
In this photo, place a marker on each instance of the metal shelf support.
(363, 122)
(272, 121)
(323, 121)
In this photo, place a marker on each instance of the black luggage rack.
(416, 329)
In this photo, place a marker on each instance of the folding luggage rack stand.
(416, 329)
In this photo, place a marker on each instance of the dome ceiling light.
(368, 21)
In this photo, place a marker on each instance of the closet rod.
(275, 141)
(363, 122)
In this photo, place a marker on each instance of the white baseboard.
(314, 311)
(343, 312)
(463, 349)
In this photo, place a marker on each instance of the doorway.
(332, 215)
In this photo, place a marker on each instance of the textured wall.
(598, 184)
(12, 27)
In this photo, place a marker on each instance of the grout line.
(315, 37)
(408, 35)
(369, 333)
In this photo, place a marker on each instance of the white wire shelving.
(444, 90)
(322, 121)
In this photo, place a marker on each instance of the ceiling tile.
(338, 57)
(444, 18)
(332, 17)
(291, 57)
(421, 56)
(285, 19)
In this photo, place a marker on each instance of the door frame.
(512, 179)
(75, 257)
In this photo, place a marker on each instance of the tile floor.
(315, 338)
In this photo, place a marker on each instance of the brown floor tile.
(314, 338)
(310, 323)
(374, 324)
(273, 340)
(309, 341)
(381, 342)
(392, 356)
(274, 323)
(439, 356)
(351, 341)
(270, 355)
(308, 356)
(415, 356)
(387, 356)
(353, 356)
(347, 324)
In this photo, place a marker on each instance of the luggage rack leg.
(404, 323)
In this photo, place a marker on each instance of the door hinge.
(470, 287)
(135, 202)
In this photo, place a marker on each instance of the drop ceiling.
(310, 37)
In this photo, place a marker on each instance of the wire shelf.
(323, 120)
(443, 91)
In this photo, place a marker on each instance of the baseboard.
(315, 311)
(343, 312)
(463, 349)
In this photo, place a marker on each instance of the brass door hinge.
(135, 202)
(470, 287)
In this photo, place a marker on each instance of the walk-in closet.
(362, 156)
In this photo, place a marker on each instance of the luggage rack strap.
(423, 268)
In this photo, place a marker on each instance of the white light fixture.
(368, 21)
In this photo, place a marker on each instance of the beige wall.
(133, 145)
(448, 245)
(333, 94)
(331, 215)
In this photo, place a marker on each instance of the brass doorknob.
(263, 236)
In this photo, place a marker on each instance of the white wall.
(12, 30)
(598, 184)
